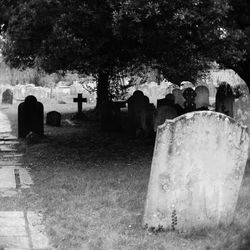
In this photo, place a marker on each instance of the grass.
(91, 188)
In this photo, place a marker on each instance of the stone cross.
(79, 101)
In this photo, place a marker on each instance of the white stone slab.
(16, 230)
(198, 165)
(11, 222)
(11, 214)
(15, 242)
(37, 230)
(7, 178)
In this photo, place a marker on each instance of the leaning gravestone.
(53, 118)
(30, 117)
(202, 97)
(224, 99)
(196, 172)
(7, 97)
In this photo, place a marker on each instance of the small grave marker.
(53, 118)
(7, 97)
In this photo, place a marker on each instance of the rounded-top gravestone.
(202, 97)
(30, 117)
(53, 118)
(7, 97)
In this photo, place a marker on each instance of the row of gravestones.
(206, 154)
(143, 117)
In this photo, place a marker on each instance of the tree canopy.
(108, 38)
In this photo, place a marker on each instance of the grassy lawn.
(91, 188)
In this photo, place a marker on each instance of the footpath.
(19, 230)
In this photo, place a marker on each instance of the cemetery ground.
(91, 188)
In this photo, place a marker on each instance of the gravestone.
(7, 97)
(30, 117)
(202, 98)
(138, 107)
(79, 100)
(197, 168)
(178, 97)
(189, 104)
(224, 99)
(53, 118)
(163, 113)
(168, 100)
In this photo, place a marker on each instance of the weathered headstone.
(202, 98)
(138, 107)
(189, 104)
(163, 113)
(168, 100)
(178, 97)
(224, 99)
(53, 118)
(196, 172)
(7, 97)
(30, 117)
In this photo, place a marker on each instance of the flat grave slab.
(12, 177)
(14, 233)
(7, 178)
(7, 148)
(10, 163)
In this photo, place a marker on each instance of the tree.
(108, 38)
(236, 51)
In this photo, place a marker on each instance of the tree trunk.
(244, 72)
(102, 88)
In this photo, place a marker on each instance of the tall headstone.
(7, 97)
(138, 106)
(30, 117)
(196, 172)
(224, 99)
(202, 97)
(189, 104)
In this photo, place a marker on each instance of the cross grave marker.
(79, 101)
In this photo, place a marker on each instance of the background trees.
(110, 38)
